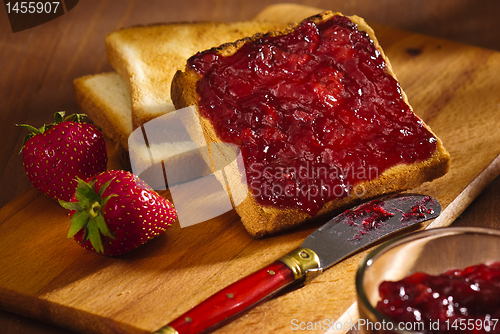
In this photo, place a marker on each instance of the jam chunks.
(315, 113)
(458, 301)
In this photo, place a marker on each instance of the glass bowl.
(431, 251)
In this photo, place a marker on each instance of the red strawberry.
(116, 212)
(57, 153)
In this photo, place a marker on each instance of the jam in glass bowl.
(444, 280)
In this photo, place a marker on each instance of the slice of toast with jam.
(319, 117)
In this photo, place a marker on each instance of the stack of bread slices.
(146, 58)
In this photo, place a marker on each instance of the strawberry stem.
(88, 213)
(58, 118)
(94, 210)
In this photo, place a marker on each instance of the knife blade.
(340, 237)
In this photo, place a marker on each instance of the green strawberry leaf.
(88, 214)
(103, 228)
(85, 234)
(77, 117)
(86, 195)
(105, 200)
(95, 236)
(74, 206)
(78, 221)
(103, 187)
(59, 116)
(34, 131)
(101, 192)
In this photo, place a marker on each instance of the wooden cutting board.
(43, 275)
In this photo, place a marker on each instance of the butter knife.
(345, 234)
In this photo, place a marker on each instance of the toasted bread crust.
(264, 220)
(147, 57)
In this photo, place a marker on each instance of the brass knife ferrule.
(303, 262)
(166, 330)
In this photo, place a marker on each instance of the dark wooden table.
(38, 66)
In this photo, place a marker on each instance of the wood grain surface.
(451, 85)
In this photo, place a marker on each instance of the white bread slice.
(265, 220)
(105, 100)
(147, 57)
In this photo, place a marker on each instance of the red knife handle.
(232, 300)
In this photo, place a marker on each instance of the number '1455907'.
(486, 324)
(31, 7)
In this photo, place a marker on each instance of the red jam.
(458, 301)
(371, 215)
(314, 112)
(418, 211)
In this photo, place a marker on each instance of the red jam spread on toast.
(314, 112)
(457, 301)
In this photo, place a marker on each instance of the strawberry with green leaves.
(57, 153)
(116, 212)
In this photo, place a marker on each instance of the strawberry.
(55, 154)
(116, 212)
